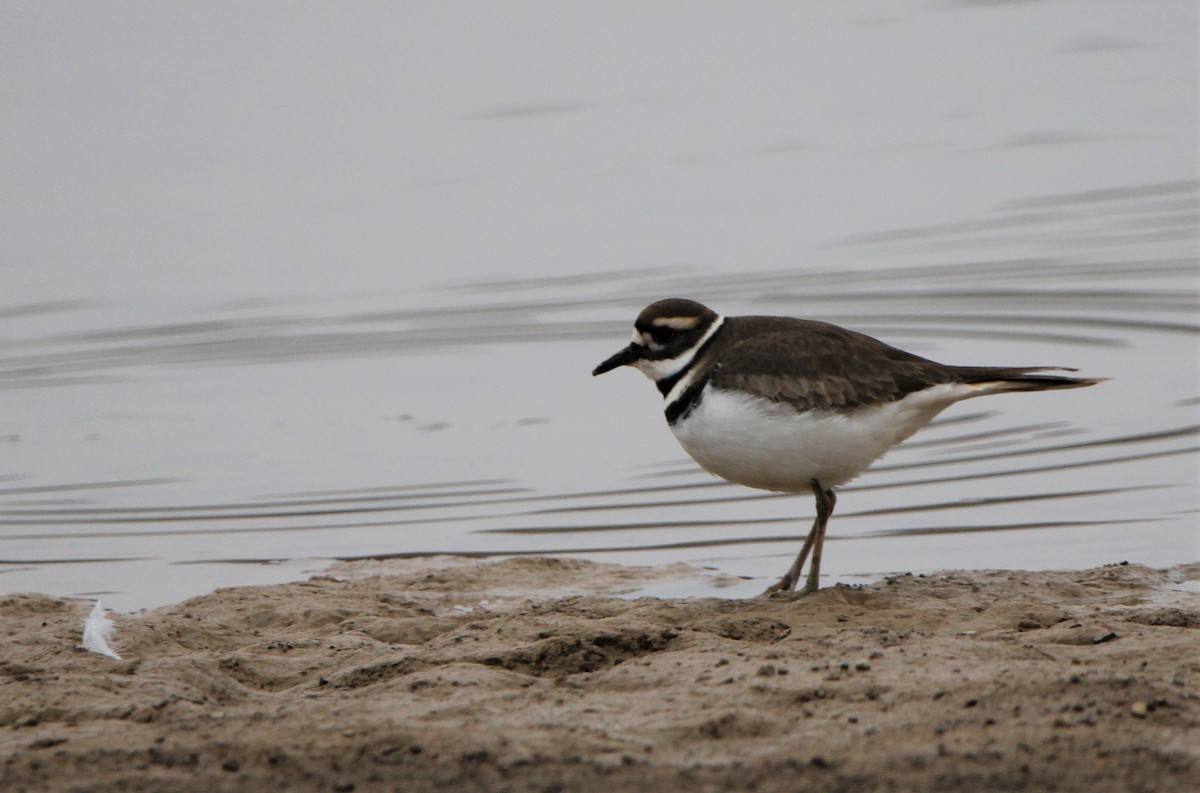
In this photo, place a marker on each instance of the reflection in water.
(1092, 486)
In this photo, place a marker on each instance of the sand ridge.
(516, 675)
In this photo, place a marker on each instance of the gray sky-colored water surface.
(285, 283)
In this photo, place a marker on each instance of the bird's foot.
(785, 584)
(782, 585)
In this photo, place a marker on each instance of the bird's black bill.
(625, 357)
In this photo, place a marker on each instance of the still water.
(346, 305)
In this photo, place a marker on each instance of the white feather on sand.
(97, 631)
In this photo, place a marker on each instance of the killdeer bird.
(793, 405)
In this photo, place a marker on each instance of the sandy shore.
(440, 678)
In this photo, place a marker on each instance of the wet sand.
(533, 675)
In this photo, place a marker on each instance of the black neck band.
(687, 401)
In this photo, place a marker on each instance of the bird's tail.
(993, 379)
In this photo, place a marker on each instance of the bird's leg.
(788, 582)
(792, 576)
(826, 500)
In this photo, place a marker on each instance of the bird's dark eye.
(662, 334)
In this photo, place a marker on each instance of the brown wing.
(815, 365)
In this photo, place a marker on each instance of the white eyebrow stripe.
(678, 323)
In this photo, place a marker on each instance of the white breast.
(762, 444)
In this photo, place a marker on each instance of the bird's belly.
(771, 446)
